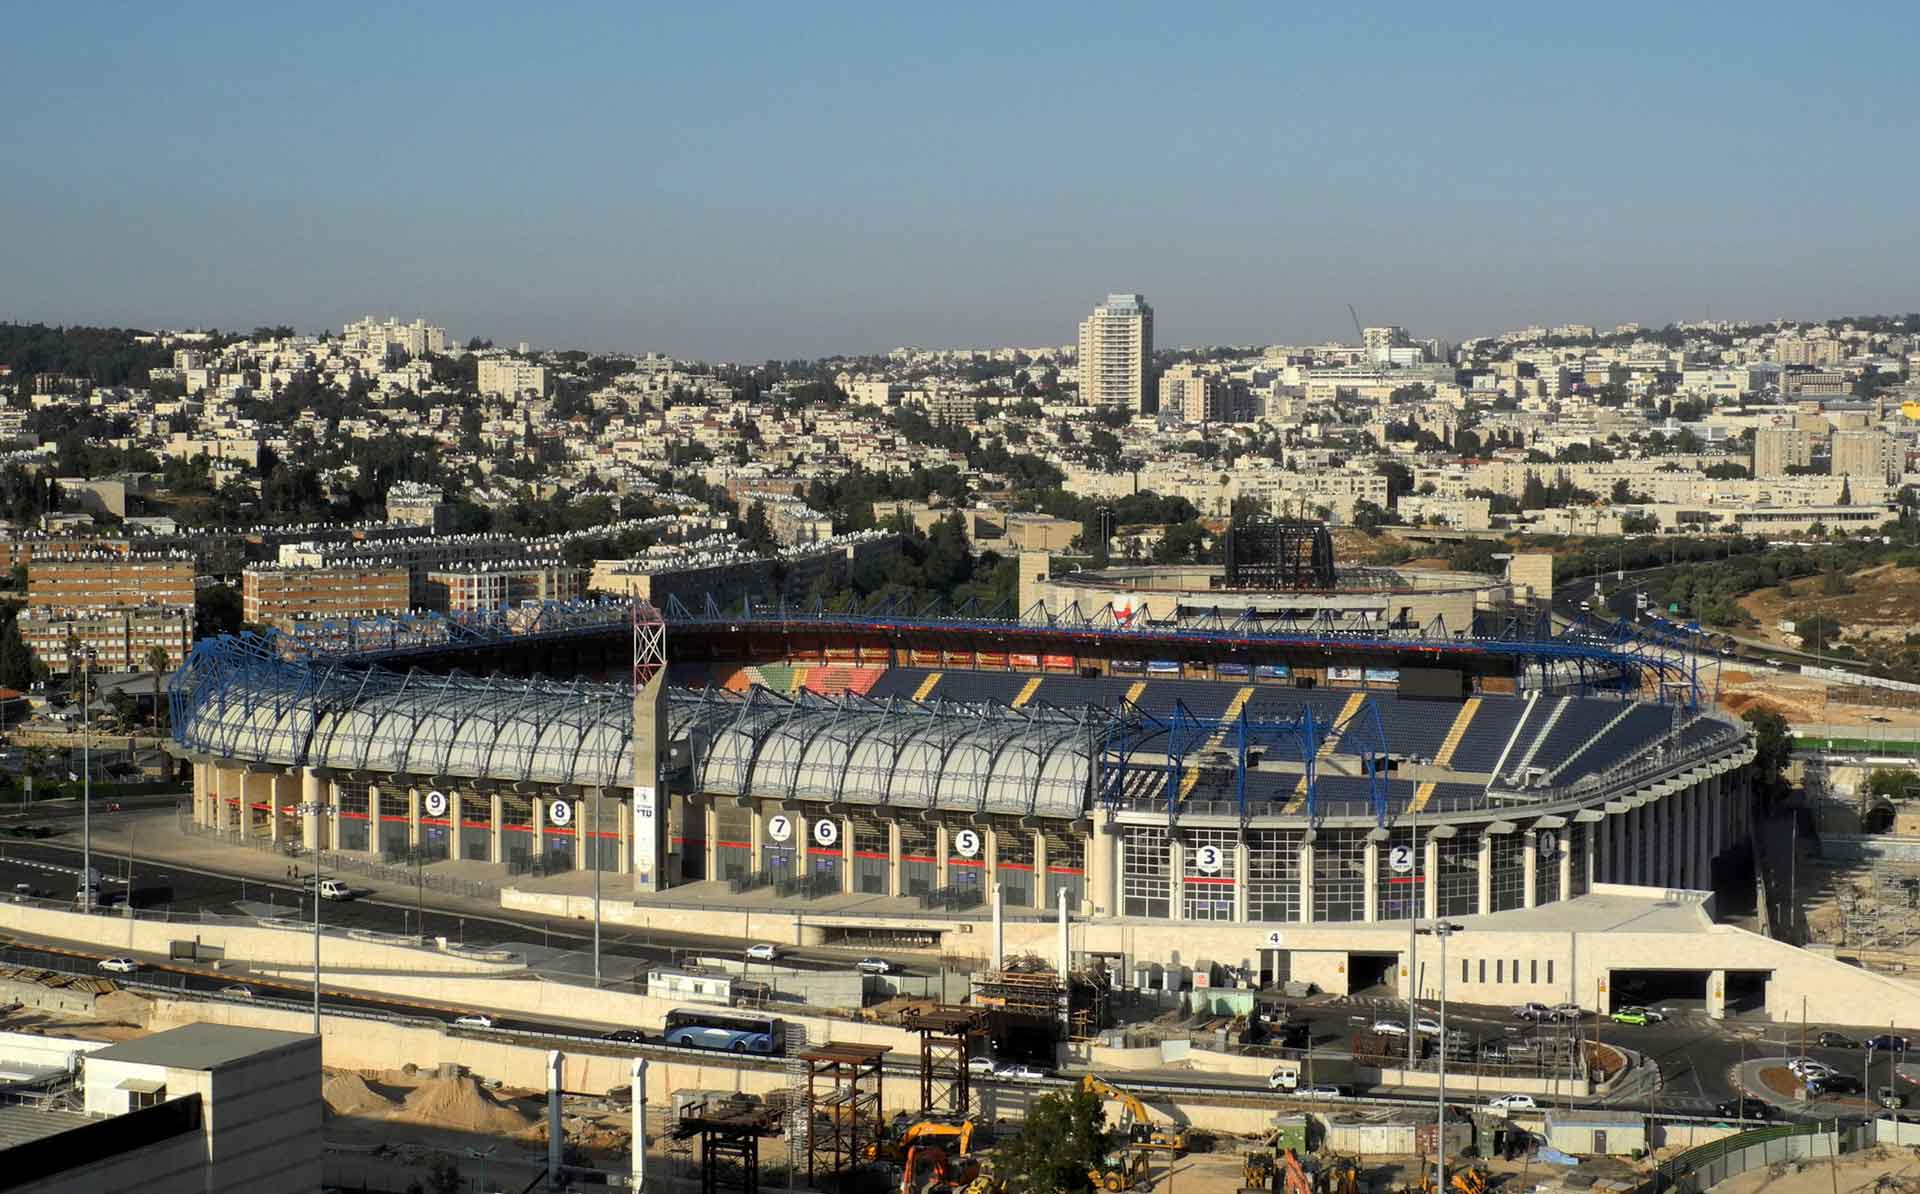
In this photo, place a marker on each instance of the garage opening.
(1747, 991)
(1373, 974)
(1678, 990)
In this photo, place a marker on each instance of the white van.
(333, 889)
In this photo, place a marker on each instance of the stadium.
(1270, 786)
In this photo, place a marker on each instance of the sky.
(745, 181)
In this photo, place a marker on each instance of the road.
(550, 946)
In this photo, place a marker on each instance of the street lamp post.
(86, 780)
(316, 808)
(1443, 930)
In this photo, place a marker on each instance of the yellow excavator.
(1136, 1121)
(1465, 1180)
(1268, 1172)
(1122, 1170)
(954, 1139)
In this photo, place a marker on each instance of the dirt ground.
(1800, 699)
(1855, 1174)
(1880, 606)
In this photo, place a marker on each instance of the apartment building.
(1868, 453)
(106, 580)
(279, 595)
(121, 638)
(415, 505)
(497, 584)
(1777, 449)
(1196, 396)
(1116, 354)
(509, 377)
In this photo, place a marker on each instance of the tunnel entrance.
(1372, 974)
(1657, 988)
(1747, 991)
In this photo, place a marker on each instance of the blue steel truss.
(1172, 743)
(392, 636)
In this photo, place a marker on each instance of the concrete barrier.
(341, 955)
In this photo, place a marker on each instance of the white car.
(474, 1020)
(237, 991)
(119, 965)
(763, 952)
(872, 966)
(1390, 1027)
(1807, 1067)
(1427, 1027)
(1322, 1092)
(980, 1065)
(1512, 1102)
(1018, 1072)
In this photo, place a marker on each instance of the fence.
(1707, 1166)
(353, 864)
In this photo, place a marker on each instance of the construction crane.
(1356, 325)
(1136, 1121)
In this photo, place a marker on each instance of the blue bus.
(723, 1030)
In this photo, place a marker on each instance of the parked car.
(119, 965)
(980, 1065)
(1637, 1015)
(1836, 1040)
(237, 991)
(1886, 1042)
(1426, 1027)
(1834, 1083)
(1323, 1092)
(1746, 1109)
(1019, 1071)
(763, 952)
(626, 1036)
(1512, 1102)
(474, 1020)
(1390, 1027)
(873, 966)
(1807, 1069)
(1890, 1097)
(1568, 1011)
(1533, 1011)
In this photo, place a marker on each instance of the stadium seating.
(1575, 725)
(1641, 726)
(1481, 745)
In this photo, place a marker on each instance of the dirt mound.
(1741, 702)
(349, 1094)
(461, 1104)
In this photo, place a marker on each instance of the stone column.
(1529, 866)
(623, 825)
(1240, 883)
(896, 882)
(1484, 899)
(313, 795)
(1371, 880)
(456, 808)
(756, 837)
(1716, 995)
(710, 818)
(1106, 862)
(413, 817)
(1565, 861)
(494, 802)
(274, 801)
(1593, 834)
(1039, 870)
(582, 841)
(1430, 880)
(1176, 876)
(538, 844)
(846, 856)
(989, 859)
(373, 820)
(941, 847)
(1306, 882)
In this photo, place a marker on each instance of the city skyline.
(751, 184)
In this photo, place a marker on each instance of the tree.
(18, 668)
(1773, 747)
(159, 664)
(217, 610)
(1063, 1136)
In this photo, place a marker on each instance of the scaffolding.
(946, 1034)
(1081, 1001)
(1279, 554)
(729, 1132)
(843, 1106)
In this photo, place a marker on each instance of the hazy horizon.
(751, 183)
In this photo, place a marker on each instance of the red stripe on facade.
(916, 858)
(476, 824)
(883, 856)
(1016, 866)
(1065, 870)
(966, 862)
(735, 845)
(1214, 882)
